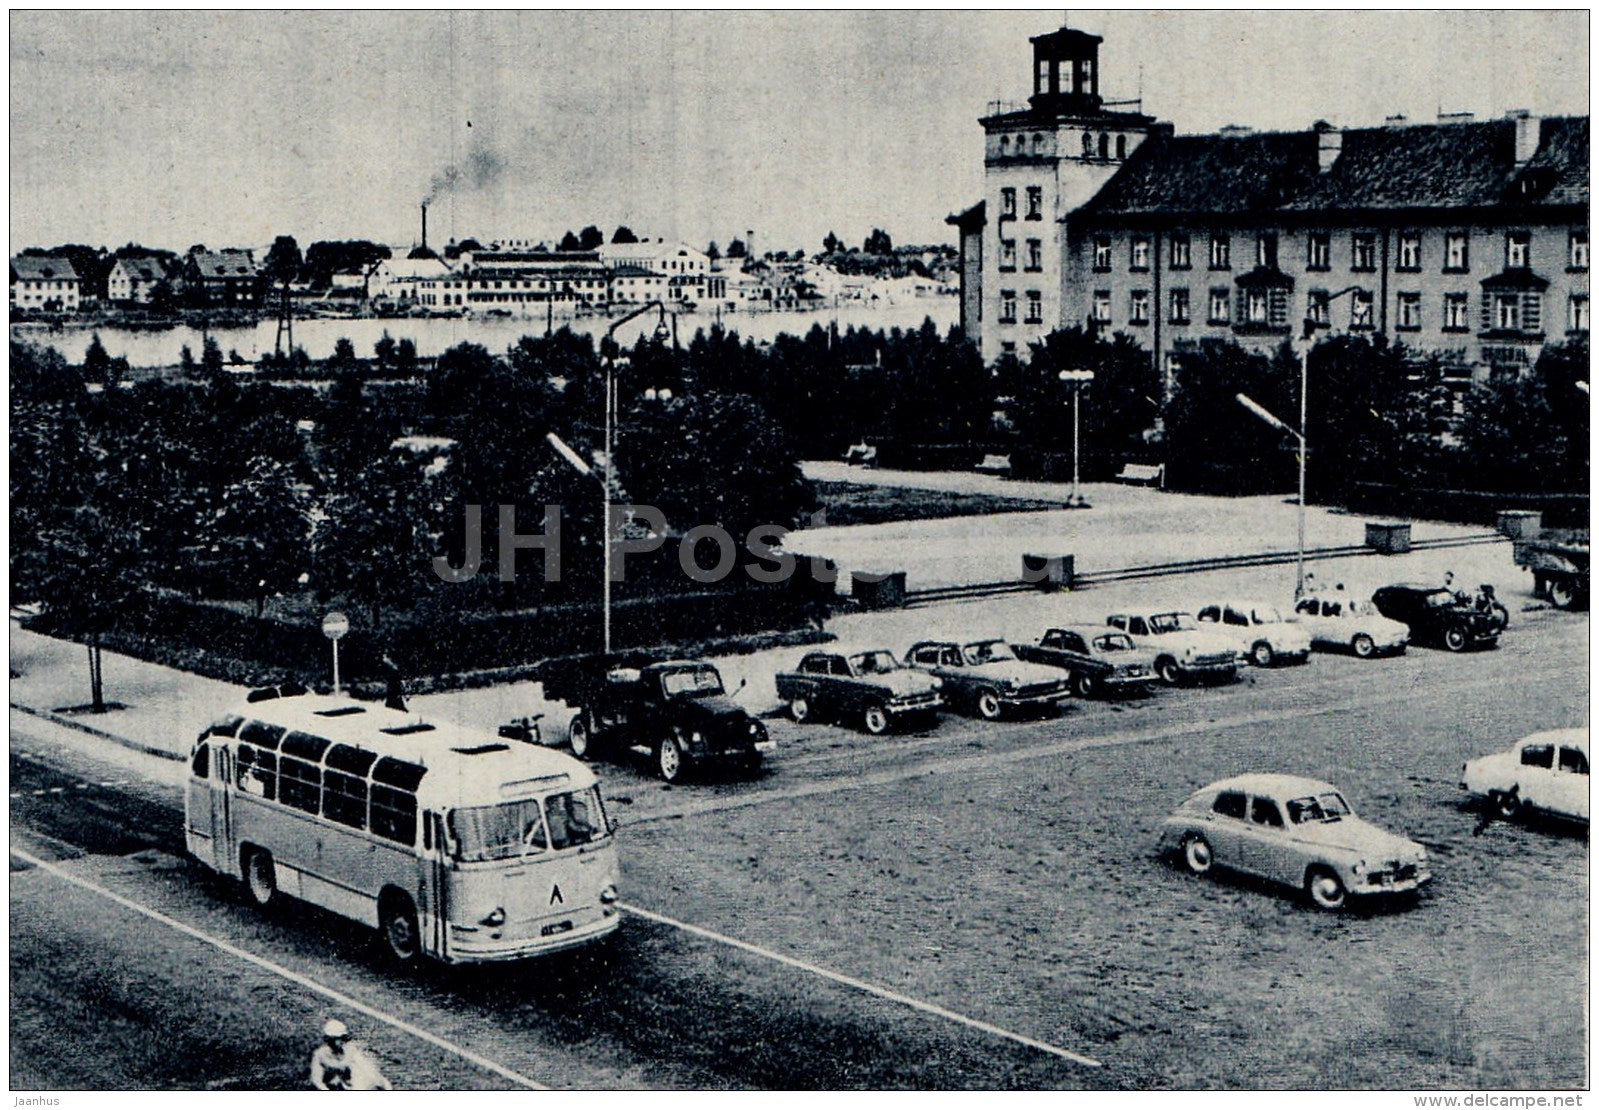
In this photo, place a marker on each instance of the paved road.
(976, 887)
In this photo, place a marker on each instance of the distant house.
(227, 277)
(351, 281)
(399, 279)
(131, 280)
(43, 284)
(683, 270)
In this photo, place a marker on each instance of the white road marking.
(285, 973)
(863, 985)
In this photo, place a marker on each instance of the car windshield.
(1173, 622)
(1317, 807)
(1114, 641)
(988, 651)
(1265, 614)
(527, 827)
(1440, 599)
(700, 680)
(873, 662)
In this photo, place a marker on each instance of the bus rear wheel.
(260, 877)
(397, 923)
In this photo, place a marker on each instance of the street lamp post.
(662, 332)
(1077, 379)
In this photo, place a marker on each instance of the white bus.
(453, 844)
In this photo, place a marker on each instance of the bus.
(453, 844)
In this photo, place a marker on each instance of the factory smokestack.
(424, 227)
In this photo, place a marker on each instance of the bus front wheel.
(397, 922)
(260, 877)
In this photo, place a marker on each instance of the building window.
(1007, 349)
(1004, 145)
(1457, 257)
(1455, 309)
(1035, 254)
(1316, 309)
(1409, 251)
(1180, 256)
(1179, 306)
(1121, 147)
(1519, 310)
(1138, 307)
(1318, 251)
(1220, 304)
(1007, 254)
(1257, 308)
(1102, 306)
(1577, 313)
(1102, 253)
(1360, 311)
(1516, 250)
(1088, 145)
(1505, 311)
(1221, 251)
(1035, 307)
(1104, 146)
(1363, 251)
(1577, 251)
(1140, 252)
(1266, 250)
(1007, 204)
(1409, 312)
(1035, 202)
(1007, 306)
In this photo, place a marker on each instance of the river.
(432, 335)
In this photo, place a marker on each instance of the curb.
(68, 722)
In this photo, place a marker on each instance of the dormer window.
(1516, 244)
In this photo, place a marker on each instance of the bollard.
(1049, 572)
(1520, 524)
(1388, 537)
(878, 589)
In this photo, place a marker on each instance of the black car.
(1439, 616)
(677, 714)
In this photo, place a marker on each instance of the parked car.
(1547, 771)
(1437, 615)
(1098, 660)
(985, 678)
(869, 686)
(1260, 631)
(1295, 831)
(1339, 623)
(676, 713)
(1183, 650)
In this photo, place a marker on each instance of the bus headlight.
(495, 918)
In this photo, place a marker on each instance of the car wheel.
(1261, 654)
(1168, 670)
(800, 709)
(1197, 855)
(669, 759)
(1083, 685)
(875, 719)
(397, 922)
(1325, 888)
(1455, 639)
(1363, 646)
(987, 705)
(260, 877)
(1507, 803)
(582, 739)
(1562, 595)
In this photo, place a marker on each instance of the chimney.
(1329, 145)
(1526, 135)
(424, 227)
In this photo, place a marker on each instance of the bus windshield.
(527, 827)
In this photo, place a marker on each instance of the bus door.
(433, 918)
(209, 824)
(222, 807)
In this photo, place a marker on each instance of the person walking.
(339, 1064)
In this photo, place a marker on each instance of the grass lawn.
(854, 503)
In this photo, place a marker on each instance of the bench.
(1143, 474)
(861, 454)
(994, 464)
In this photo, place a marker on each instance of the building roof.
(32, 267)
(1419, 166)
(142, 268)
(218, 265)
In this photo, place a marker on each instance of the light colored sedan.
(1339, 623)
(1547, 771)
(1296, 831)
(1262, 635)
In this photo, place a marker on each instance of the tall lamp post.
(1299, 436)
(662, 333)
(1077, 379)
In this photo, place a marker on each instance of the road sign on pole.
(334, 626)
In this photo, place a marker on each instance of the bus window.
(200, 765)
(497, 832)
(300, 784)
(258, 772)
(344, 785)
(261, 735)
(393, 813)
(575, 818)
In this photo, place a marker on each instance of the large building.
(1464, 237)
(43, 284)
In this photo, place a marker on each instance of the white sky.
(228, 128)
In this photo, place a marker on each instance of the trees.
(737, 249)
(569, 242)
(1118, 409)
(878, 242)
(262, 529)
(713, 252)
(1212, 444)
(832, 244)
(590, 238)
(623, 234)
